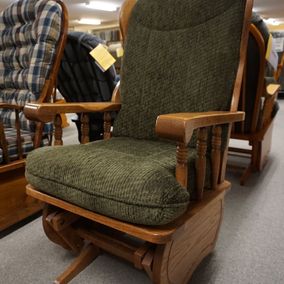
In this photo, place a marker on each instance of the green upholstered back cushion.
(180, 56)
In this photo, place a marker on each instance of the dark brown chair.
(258, 100)
(32, 37)
(153, 193)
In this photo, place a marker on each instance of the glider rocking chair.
(258, 100)
(153, 178)
(32, 37)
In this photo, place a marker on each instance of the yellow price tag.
(103, 58)
(269, 47)
(119, 52)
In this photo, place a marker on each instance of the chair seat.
(26, 142)
(128, 179)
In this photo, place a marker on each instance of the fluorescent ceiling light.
(89, 21)
(272, 22)
(102, 5)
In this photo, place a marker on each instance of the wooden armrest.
(272, 89)
(11, 106)
(179, 126)
(45, 112)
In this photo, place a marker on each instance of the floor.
(250, 248)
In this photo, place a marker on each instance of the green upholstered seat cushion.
(128, 179)
(180, 56)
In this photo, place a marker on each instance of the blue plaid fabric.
(26, 142)
(29, 33)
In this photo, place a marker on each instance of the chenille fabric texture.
(125, 178)
(180, 56)
(183, 64)
(29, 33)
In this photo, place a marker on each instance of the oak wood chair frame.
(279, 70)
(15, 204)
(169, 253)
(260, 134)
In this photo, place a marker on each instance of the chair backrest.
(180, 56)
(257, 68)
(81, 80)
(32, 36)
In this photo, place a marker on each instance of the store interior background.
(250, 248)
(272, 9)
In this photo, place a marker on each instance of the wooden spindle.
(38, 134)
(85, 128)
(216, 155)
(19, 140)
(200, 163)
(107, 125)
(4, 144)
(58, 130)
(182, 167)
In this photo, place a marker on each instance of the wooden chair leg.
(86, 257)
(246, 174)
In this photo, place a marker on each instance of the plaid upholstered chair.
(32, 35)
(81, 80)
(258, 100)
(153, 180)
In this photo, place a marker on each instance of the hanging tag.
(103, 58)
(119, 52)
(271, 53)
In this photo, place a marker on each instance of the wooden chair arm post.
(18, 129)
(200, 162)
(271, 93)
(179, 127)
(181, 166)
(216, 155)
(58, 130)
(85, 127)
(107, 125)
(3, 144)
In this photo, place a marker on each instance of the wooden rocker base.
(257, 155)
(15, 204)
(168, 254)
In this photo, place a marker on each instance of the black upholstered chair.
(152, 192)
(258, 100)
(81, 80)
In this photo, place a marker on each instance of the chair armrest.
(268, 106)
(11, 106)
(179, 126)
(45, 112)
(272, 89)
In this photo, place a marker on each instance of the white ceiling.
(77, 10)
(270, 9)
